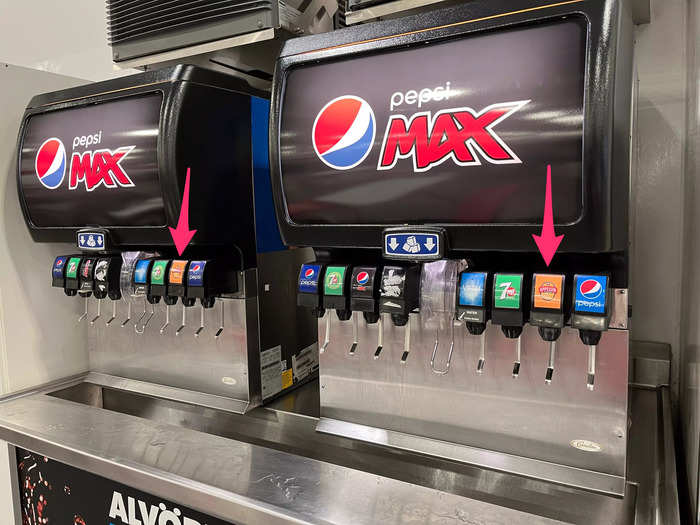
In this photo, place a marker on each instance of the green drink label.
(333, 283)
(507, 290)
(72, 268)
(158, 272)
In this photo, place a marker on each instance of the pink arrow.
(548, 242)
(182, 235)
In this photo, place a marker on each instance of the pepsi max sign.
(450, 132)
(590, 294)
(309, 277)
(92, 168)
(93, 164)
(343, 133)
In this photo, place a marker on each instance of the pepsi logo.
(591, 289)
(309, 273)
(59, 262)
(343, 132)
(196, 268)
(362, 278)
(50, 163)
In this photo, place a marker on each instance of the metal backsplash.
(562, 432)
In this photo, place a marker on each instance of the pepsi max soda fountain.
(420, 189)
(115, 167)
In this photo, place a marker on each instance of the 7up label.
(507, 291)
(335, 277)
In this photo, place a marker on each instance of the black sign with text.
(53, 492)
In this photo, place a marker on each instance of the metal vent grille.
(130, 20)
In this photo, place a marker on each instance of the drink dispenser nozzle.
(207, 279)
(473, 308)
(591, 315)
(364, 298)
(107, 270)
(547, 312)
(508, 310)
(398, 297)
(336, 297)
(86, 282)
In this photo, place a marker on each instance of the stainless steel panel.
(231, 480)
(650, 498)
(492, 411)
(219, 366)
(650, 363)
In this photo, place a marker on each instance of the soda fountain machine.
(418, 160)
(110, 167)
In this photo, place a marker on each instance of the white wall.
(39, 338)
(64, 37)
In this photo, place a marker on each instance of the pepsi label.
(362, 284)
(59, 267)
(590, 294)
(308, 278)
(195, 274)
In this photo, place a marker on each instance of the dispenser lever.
(85, 314)
(353, 347)
(99, 312)
(221, 325)
(380, 336)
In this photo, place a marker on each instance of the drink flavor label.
(590, 293)
(158, 272)
(472, 287)
(195, 275)
(308, 278)
(335, 278)
(548, 291)
(177, 272)
(507, 291)
(72, 268)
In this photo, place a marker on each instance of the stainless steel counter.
(270, 466)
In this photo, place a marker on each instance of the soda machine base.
(271, 466)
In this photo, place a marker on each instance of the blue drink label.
(195, 275)
(591, 293)
(59, 266)
(308, 278)
(141, 271)
(472, 288)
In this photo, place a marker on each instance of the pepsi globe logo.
(309, 273)
(362, 278)
(50, 163)
(195, 268)
(591, 289)
(343, 132)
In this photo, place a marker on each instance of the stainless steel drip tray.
(270, 465)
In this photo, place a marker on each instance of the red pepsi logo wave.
(343, 132)
(591, 289)
(50, 163)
